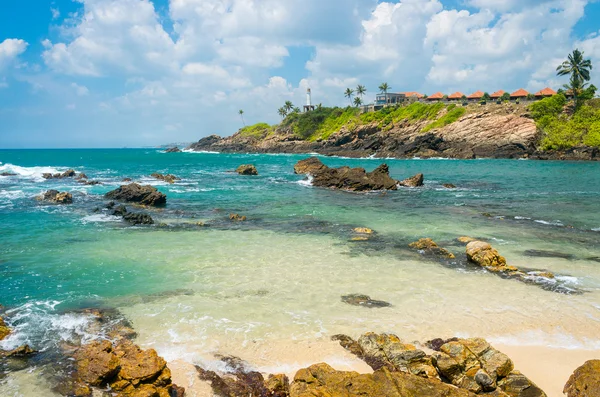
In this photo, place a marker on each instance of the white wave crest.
(306, 182)
(33, 173)
(100, 218)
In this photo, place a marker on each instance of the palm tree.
(384, 88)
(288, 106)
(357, 101)
(282, 112)
(348, 94)
(579, 69)
(361, 90)
(241, 113)
(297, 109)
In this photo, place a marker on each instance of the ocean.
(195, 283)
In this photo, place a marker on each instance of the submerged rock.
(66, 174)
(428, 247)
(362, 230)
(169, 178)
(547, 254)
(247, 169)
(449, 186)
(465, 239)
(54, 196)
(585, 381)
(134, 218)
(363, 300)
(413, 181)
(173, 150)
(145, 195)
(7, 174)
(237, 217)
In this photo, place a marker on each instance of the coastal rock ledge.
(141, 194)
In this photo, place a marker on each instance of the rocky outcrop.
(127, 369)
(585, 381)
(364, 301)
(4, 330)
(134, 193)
(173, 150)
(132, 217)
(247, 169)
(486, 256)
(169, 178)
(582, 153)
(346, 178)
(56, 197)
(66, 174)
(413, 181)
(20, 352)
(428, 247)
(449, 186)
(237, 217)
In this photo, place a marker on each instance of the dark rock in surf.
(310, 166)
(133, 217)
(169, 178)
(364, 300)
(413, 181)
(247, 169)
(56, 197)
(20, 352)
(449, 186)
(4, 330)
(8, 174)
(173, 150)
(134, 193)
(66, 174)
(237, 218)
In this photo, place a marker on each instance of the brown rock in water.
(310, 166)
(137, 365)
(413, 181)
(429, 247)
(54, 196)
(4, 330)
(97, 363)
(169, 178)
(482, 253)
(465, 239)
(449, 186)
(585, 381)
(66, 174)
(324, 381)
(363, 300)
(19, 352)
(145, 195)
(81, 176)
(237, 217)
(247, 169)
(362, 230)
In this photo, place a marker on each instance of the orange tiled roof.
(456, 95)
(519, 93)
(498, 94)
(413, 93)
(476, 95)
(546, 92)
(437, 95)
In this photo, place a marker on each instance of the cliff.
(425, 131)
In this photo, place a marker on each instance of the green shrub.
(259, 130)
(552, 106)
(563, 132)
(453, 115)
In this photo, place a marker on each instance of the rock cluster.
(141, 194)
(485, 255)
(169, 178)
(66, 174)
(585, 381)
(346, 178)
(127, 369)
(135, 218)
(428, 247)
(247, 169)
(56, 197)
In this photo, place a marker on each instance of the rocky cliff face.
(491, 133)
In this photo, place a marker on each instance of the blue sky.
(113, 73)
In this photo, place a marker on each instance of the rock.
(138, 219)
(517, 385)
(465, 239)
(145, 195)
(278, 385)
(97, 363)
(173, 150)
(413, 181)
(549, 275)
(81, 176)
(120, 210)
(66, 174)
(363, 300)
(237, 217)
(482, 254)
(449, 186)
(436, 344)
(246, 169)
(4, 330)
(428, 247)
(169, 178)
(7, 174)
(310, 166)
(585, 381)
(126, 180)
(136, 364)
(54, 196)
(472, 364)
(362, 230)
(323, 380)
(19, 352)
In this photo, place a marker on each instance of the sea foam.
(33, 173)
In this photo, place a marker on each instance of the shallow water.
(258, 287)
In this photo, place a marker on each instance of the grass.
(453, 115)
(259, 130)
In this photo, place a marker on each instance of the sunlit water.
(277, 278)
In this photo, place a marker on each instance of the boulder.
(132, 217)
(484, 255)
(4, 330)
(310, 166)
(173, 150)
(428, 247)
(517, 385)
(363, 300)
(81, 176)
(362, 230)
(169, 178)
(465, 239)
(585, 381)
(134, 193)
(237, 217)
(54, 196)
(19, 352)
(323, 380)
(66, 174)
(413, 181)
(246, 169)
(449, 186)
(96, 363)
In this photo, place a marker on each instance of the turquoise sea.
(196, 283)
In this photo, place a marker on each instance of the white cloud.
(10, 49)
(55, 12)
(80, 90)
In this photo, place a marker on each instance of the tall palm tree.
(241, 113)
(288, 106)
(579, 70)
(357, 101)
(361, 90)
(348, 94)
(282, 112)
(384, 88)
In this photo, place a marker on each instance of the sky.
(132, 73)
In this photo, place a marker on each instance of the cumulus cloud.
(10, 49)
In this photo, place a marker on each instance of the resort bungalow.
(438, 96)
(519, 94)
(546, 92)
(476, 96)
(413, 95)
(457, 96)
(497, 95)
(390, 99)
